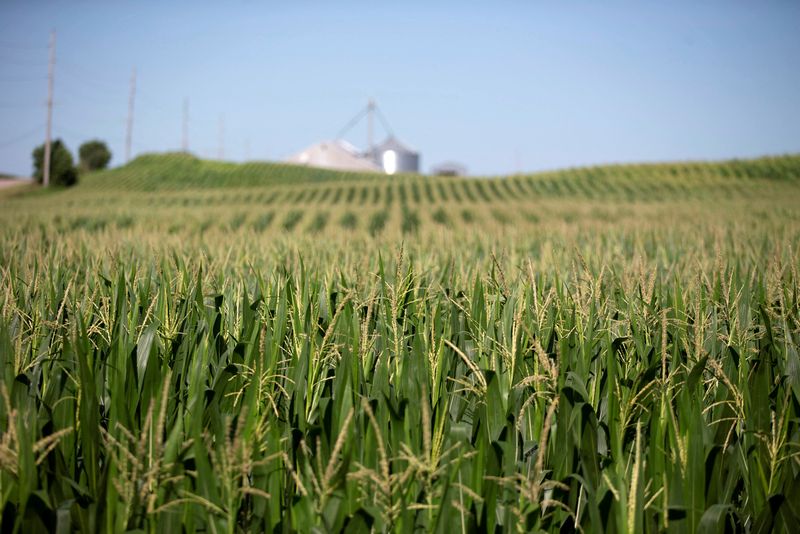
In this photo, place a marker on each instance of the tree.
(94, 155)
(62, 169)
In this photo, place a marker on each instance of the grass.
(618, 354)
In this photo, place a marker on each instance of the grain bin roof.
(338, 155)
(391, 143)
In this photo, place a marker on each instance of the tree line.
(92, 156)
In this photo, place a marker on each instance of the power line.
(74, 116)
(99, 85)
(18, 105)
(88, 86)
(88, 72)
(80, 94)
(23, 80)
(149, 99)
(85, 136)
(22, 137)
(22, 62)
(25, 46)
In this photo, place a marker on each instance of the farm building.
(339, 155)
(449, 168)
(391, 156)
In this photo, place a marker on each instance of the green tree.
(94, 155)
(62, 168)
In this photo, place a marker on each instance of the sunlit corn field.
(188, 346)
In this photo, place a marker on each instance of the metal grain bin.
(394, 157)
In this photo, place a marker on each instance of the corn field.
(197, 347)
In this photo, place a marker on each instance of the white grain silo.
(394, 157)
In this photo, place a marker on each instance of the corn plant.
(562, 353)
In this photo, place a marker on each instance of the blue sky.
(499, 86)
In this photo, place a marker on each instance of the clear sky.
(499, 86)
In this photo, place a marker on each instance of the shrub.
(62, 168)
(93, 155)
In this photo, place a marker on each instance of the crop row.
(292, 220)
(243, 215)
(179, 171)
(432, 192)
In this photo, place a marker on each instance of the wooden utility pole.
(47, 136)
(221, 151)
(129, 127)
(185, 140)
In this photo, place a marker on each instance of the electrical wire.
(22, 137)
(88, 75)
(146, 98)
(86, 95)
(98, 85)
(17, 46)
(74, 133)
(24, 80)
(23, 62)
(20, 105)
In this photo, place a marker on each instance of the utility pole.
(47, 136)
(370, 112)
(221, 152)
(129, 128)
(185, 140)
(247, 149)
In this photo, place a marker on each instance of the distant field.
(199, 346)
(180, 194)
(8, 181)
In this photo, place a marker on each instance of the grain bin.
(394, 157)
